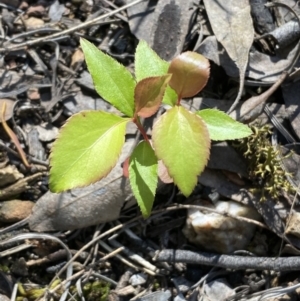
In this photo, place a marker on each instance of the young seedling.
(90, 143)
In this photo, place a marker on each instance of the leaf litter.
(250, 53)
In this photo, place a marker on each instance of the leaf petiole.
(139, 125)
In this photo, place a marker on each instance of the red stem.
(178, 100)
(137, 121)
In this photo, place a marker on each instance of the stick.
(230, 261)
(69, 30)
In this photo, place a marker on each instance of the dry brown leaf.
(261, 66)
(9, 107)
(140, 19)
(77, 58)
(290, 92)
(232, 25)
(83, 207)
(164, 28)
(163, 173)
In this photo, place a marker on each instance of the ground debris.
(116, 254)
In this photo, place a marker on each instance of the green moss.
(264, 161)
(156, 285)
(97, 291)
(92, 291)
(33, 292)
(4, 268)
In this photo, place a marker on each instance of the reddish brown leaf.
(148, 94)
(190, 73)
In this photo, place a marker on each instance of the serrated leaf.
(148, 94)
(112, 80)
(222, 127)
(190, 73)
(143, 176)
(86, 150)
(181, 141)
(147, 64)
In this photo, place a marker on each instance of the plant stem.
(178, 100)
(137, 121)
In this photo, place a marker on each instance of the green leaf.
(143, 176)
(147, 64)
(190, 73)
(181, 141)
(149, 93)
(170, 97)
(86, 150)
(112, 81)
(222, 127)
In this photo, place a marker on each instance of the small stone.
(218, 290)
(125, 291)
(15, 210)
(19, 267)
(56, 11)
(182, 284)
(157, 296)
(4, 298)
(217, 232)
(179, 297)
(47, 132)
(9, 174)
(138, 279)
(33, 94)
(293, 227)
(33, 23)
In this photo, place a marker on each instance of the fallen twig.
(254, 102)
(230, 261)
(13, 137)
(19, 186)
(67, 31)
(69, 270)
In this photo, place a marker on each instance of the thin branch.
(67, 31)
(230, 261)
(13, 136)
(253, 102)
